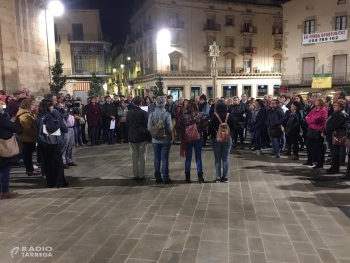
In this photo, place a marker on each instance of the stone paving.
(268, 212)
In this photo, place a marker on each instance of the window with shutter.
(308, 69)
(339, 68)
(340, 23)
(174, 65)
(309, 26)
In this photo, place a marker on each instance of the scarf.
(202, 106)
(255, 113)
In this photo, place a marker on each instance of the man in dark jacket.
(274, 119)
(14, 103)
(172, 109)
(136, 121)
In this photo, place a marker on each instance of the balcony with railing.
(212, 27)
(176, 24)
(83, 73)
(249, 50)
(88, 38)
(149, 71)
(249, 30)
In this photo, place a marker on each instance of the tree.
(158, 89)
(58, 80)
(95, 86)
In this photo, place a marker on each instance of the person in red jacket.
(316, 120)
(94, 120)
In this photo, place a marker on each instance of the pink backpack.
(191, 133)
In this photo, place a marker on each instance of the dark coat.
(7, 127)
(13, 105)
(172, 109)
(275, 117)
(53, 122)
(137, 121)
(108, 111)
(259, 124)
(293, 124)
(237, 112)
(94, 114)
(214, 123)
(336, 122)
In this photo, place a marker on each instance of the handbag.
(47, 138)
(275, 132)
(339, 137)
(9, 148)
(313, 133)
(82, 121)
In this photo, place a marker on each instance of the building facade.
(172, 38)
(27, 47)
(83, 49)
(315, 41)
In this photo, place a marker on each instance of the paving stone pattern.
(268, 212)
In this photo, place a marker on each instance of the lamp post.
(214, 53)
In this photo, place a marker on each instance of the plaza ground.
(272, 210)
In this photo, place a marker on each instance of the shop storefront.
(229, 91)
(176, 92)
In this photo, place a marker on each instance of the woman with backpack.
(52, 157)
(220, 125)
(190, 126)
(160, 125)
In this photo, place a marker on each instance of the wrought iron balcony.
(212, 27)
(249, 50)
(175, 24)
(249, 30)
(277, 31)
(88, 38)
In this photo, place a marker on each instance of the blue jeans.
(283, 140)
(5, 178)
(252, 139)
(257, 140)
(275, 146)
(197, 145)
(161, 155)
(110, 134)
(221, 153)
(77, 134)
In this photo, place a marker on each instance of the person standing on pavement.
(28, 134)
(109, 115)
(194, 119)
(122, 131)
(161, 146)
(204, 108)
(7, 129)
(274, 120)
(94, 120)
(136, 121)
(221, 149)
(292, 130)
(257, 125)
(172, 109)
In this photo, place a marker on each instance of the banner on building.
(339, 35)
(321, 81)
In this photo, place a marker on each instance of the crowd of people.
(53, 125)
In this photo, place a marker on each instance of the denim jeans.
(252, 139)
(161, 155)
(221, 153)
(5, 178)
(77, 134)
(110, 134)
(257, 140)
(197, 145)
(283, 140)
(275, 146)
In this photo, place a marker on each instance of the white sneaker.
(258, 152)
(255, 152)
(35, 167)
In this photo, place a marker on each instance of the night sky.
(114, 14)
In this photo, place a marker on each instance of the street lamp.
(56, 8)
(129, 58)
(122, 66)
(214, 53)
(114, 70)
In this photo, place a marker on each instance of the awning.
(82, 86)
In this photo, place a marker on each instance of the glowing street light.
(128, 58)
(122, 66)
(163, 38)
(114, 70)
(56, 8)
